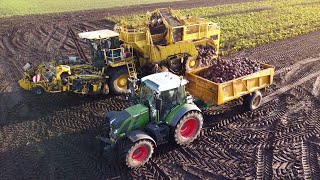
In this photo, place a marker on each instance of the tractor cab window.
(170, 99)
(181, 94)
(147, 95)
(173, 96)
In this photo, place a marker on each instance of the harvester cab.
(163, 113)
(106, 47)
(111, 57)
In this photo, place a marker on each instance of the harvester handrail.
(121, 54)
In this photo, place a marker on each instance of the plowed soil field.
(52, 137)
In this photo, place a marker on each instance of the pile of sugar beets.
(205, 54)
(226, 70)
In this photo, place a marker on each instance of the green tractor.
(165, 112)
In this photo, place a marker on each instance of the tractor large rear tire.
(252, 101)
(135, 154)
(118, 80)
(188, 128)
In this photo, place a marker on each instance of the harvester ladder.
(131, 69)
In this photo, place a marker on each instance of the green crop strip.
(27, 7)
(247, 25)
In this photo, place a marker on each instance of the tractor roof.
(100, 34)
(163, 81)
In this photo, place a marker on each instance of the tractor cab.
(161, 92)
(105, 47)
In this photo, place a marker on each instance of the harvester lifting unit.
(112, 64)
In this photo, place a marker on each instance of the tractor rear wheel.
(253, 101)
(136, 154)
(188, 128)
(119, 80)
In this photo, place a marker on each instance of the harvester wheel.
(119, 80)
(38, 91)
(136, 154)
(253, 101)
(191, 63)
(188, 128)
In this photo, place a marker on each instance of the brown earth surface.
(53, 136)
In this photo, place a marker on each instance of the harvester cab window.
(95, 49)
(115, 42)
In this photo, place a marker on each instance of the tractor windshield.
(146, 95)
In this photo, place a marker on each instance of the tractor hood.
(117, 118)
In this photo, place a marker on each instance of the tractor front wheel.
(136, 154)
(188, 128)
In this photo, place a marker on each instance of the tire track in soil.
(49, 37)
(286, 161)
(264, 163)
(310, 160)
(316, 88)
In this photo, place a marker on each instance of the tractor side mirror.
(158, 104)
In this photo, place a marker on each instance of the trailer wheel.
(191, 63)
(188, 128)
(136, 154)
(119, 80)
(38, 91)
(253, 101)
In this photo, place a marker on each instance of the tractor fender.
(176, 114)
(137, 135)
